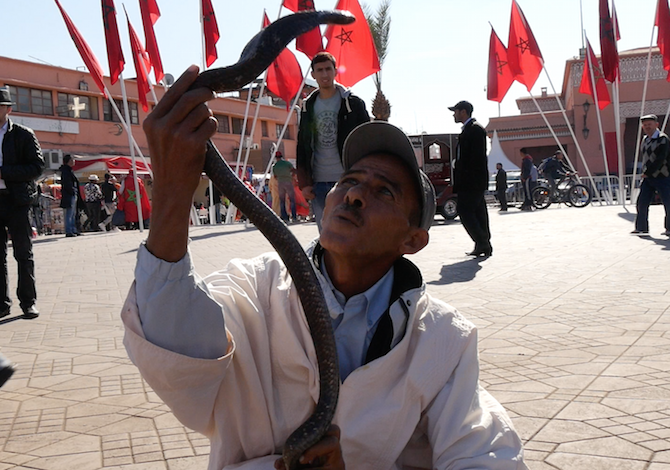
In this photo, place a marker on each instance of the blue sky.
(437, 56)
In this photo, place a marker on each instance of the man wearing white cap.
(231, 354)
(655, 174)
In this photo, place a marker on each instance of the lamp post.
(585, 129)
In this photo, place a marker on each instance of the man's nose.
(356, 196)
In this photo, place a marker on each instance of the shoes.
(102, 227)
(502, 210)
(481, 252)
(640, 233)
(4, 313)
(31, 312)
(666, 233)
(6, 370)
(70, 235)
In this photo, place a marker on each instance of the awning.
(115, 164)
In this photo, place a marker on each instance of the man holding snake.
(231, 354)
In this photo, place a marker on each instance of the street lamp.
(586, 130)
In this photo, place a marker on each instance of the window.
(31, 100)
(264, 128)
(224, 124)
(78, 107)
(287, 132)
(237, 126)
(110, 114)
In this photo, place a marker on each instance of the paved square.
(574, 337)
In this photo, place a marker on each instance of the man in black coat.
(471, 179)
(501, 187)
(21, 163)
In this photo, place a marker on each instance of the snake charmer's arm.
(177, 132)
(176, 310)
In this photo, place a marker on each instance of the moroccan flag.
(662, 22)
(284, 74)
(500, 75)
(523, 54)
(608, 47)
(114, 51)
(211, 32)
(150, 14)
(310, 43)
(353, 46)
(140, 58)
(86, 53)
(586, 86)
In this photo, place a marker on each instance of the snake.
(258, 55)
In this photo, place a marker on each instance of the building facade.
(529, 130)
(70, 115)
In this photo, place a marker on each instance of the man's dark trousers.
(471, 207)
(502, 198)
(15, 220)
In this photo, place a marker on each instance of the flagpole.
(572, 133)
(132, 157)
(283, 130)
(211, 209)
(600, 127)
(639, 127)
(619, 146)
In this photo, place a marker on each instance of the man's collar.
(467, 122)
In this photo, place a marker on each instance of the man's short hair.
(66, 159)
(324, 57)
(523, 150)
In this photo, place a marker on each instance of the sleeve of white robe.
(467, 428)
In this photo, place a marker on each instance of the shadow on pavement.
(627, 216)
(463, 271)
(11, 319)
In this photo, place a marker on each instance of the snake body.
(258, 55)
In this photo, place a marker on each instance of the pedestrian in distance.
(655, 174)
(528, 179)
(21, 165)
(283, 170)
(471, 179)
(231, 353)
(501, 187)
(69, 195)
(109, 194)
(93, 198)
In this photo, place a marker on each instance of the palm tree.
(380, 27)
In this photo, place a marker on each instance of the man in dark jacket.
(501, 187)
(21, 164)
(328, 116)
(655, 175)
(70, 195)
(471, 179)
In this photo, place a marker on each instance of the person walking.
(21, 163)
(528, 179)
(128, 201)
(328, 115)
(69, 195)
(109, 194)
(471, 179)
(501, 187)
(655, 174)
(93, 198)
(283, 170)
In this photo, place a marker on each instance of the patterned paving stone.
(574, 327)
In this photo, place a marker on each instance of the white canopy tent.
(496, 155)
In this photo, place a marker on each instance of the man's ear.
(415, 241)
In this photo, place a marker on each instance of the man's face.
(324, 74)
(460, 115)
(367, 214)
(499, 166)
(4, 112)
(649, 127)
